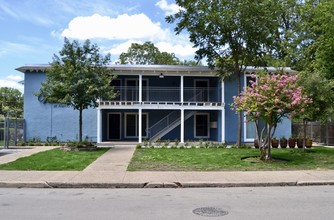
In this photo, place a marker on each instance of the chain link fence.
(319, 133)
(11, 131)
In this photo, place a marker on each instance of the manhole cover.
(210, 211)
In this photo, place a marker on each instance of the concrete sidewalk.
(109, 171)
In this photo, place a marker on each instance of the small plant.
(176, 142)
(158, 142)
(138, 146)
(146, 143)
(167, 143)
(193, 146)
(201, 143)
(34, 139)
(181, 147)
(222, 145)
(51, 139)
(187, 143)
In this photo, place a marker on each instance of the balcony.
(199, 96)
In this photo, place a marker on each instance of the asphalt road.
(311, 202)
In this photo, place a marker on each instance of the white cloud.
(123, 27)
(169, 9)
(180, 50)
(12, 84)
(124, 30)
(15, 77)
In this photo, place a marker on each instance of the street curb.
(65, 185)
(237, 184)
(315, 183)
(28, 184)
(95, 185)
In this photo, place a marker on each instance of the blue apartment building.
(154, 102)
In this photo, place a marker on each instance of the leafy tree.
(270, 99)
(233, 34)
(148, 53)
(78, 77)
(11, 102)
(316, 60)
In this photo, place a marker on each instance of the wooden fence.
(320, 133)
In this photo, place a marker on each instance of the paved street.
(307, 202)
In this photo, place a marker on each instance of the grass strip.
(56, 159)
(229, 159)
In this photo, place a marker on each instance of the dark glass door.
(114, 126)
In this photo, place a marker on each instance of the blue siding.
(231, 117)
(49, 120)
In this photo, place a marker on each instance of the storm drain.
(210, 212)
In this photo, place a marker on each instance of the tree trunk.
(239, 113)
(80, 125)
(304, 133)
(268, 156)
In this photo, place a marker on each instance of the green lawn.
(229, 159)
(55, 159)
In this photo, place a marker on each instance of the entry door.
(202, 90)
(114, 126)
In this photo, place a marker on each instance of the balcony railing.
(167, 94)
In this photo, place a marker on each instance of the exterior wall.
(231, 117)
(49, 120)
(284, 129)
(156, 115)
(231, 125)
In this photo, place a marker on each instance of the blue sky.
(31, 31)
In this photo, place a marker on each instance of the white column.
(140, 88)
(99, 127)
(140, 122)
(181, 85)
(223, 112)
(182, 126)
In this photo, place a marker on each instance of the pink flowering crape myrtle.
(270, 98)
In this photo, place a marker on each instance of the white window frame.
(136, 124)
(245, 118)
(208, 125)
(120, 125)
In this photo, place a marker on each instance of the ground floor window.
(132, 123)
(250, 130)
(202, 129)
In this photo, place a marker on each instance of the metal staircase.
(167, 124)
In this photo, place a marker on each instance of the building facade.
(154, 102)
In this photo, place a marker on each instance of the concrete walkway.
(109, 171)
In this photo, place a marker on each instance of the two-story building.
(154, 102)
